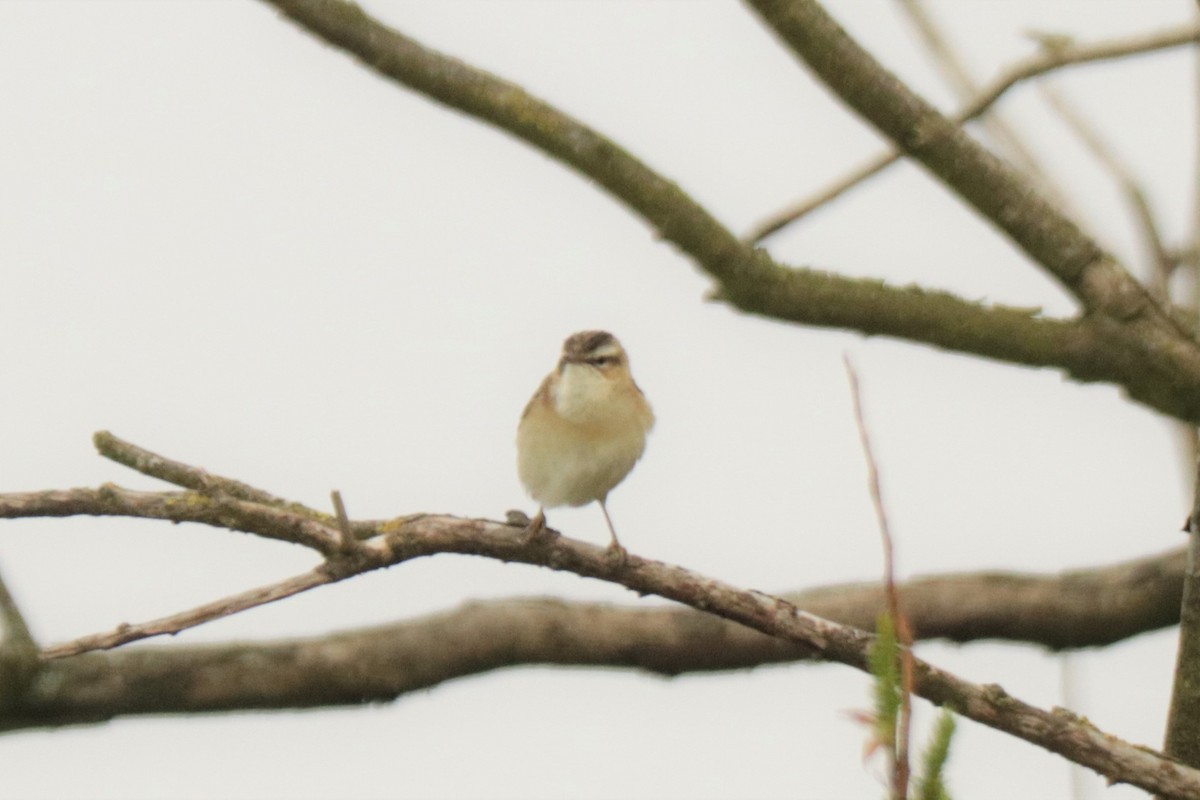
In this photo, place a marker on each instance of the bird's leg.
(537, 530)
(614, 547)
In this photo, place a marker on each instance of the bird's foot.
(537, 532)
(616, 554)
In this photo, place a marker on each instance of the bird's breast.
(593, 400)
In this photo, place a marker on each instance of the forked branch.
(1131, 342)
(403, 539)
(1042, 63)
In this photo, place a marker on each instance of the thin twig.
(1182, 738)
(1032, 67)
(954, 70)
(900, 771)
(178, 473)
(349, 541)
(215, 486)
(1160, 261)
(175, 623)
(1127, 344)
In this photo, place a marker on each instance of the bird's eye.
(601, 361)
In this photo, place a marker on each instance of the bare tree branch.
(219, 512)
(1158, 258)
(185, 475)
(973, 173)
(205, 482)
(176, 623)
(947, 58)
(1056, 731)
(1159, 366)
(1183, 722)
(1081, 608)
(1035, 66)
(412, 537)
(1160, 261)
(18, 651)
(1182, 738)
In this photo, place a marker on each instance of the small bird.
(584, 428)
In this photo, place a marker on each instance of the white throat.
(583, 394)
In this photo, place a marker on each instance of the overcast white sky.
(230, 244)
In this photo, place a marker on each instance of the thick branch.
(409, 537)
(966, 167)
(1183, 722)
(1057, 731)
(1078, 609)
(947, 57)
(405, 538)
(1035, 66)
(1082, 608)
(1161, 371)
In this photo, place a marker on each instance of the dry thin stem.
(900, 761)
(1032, 67)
